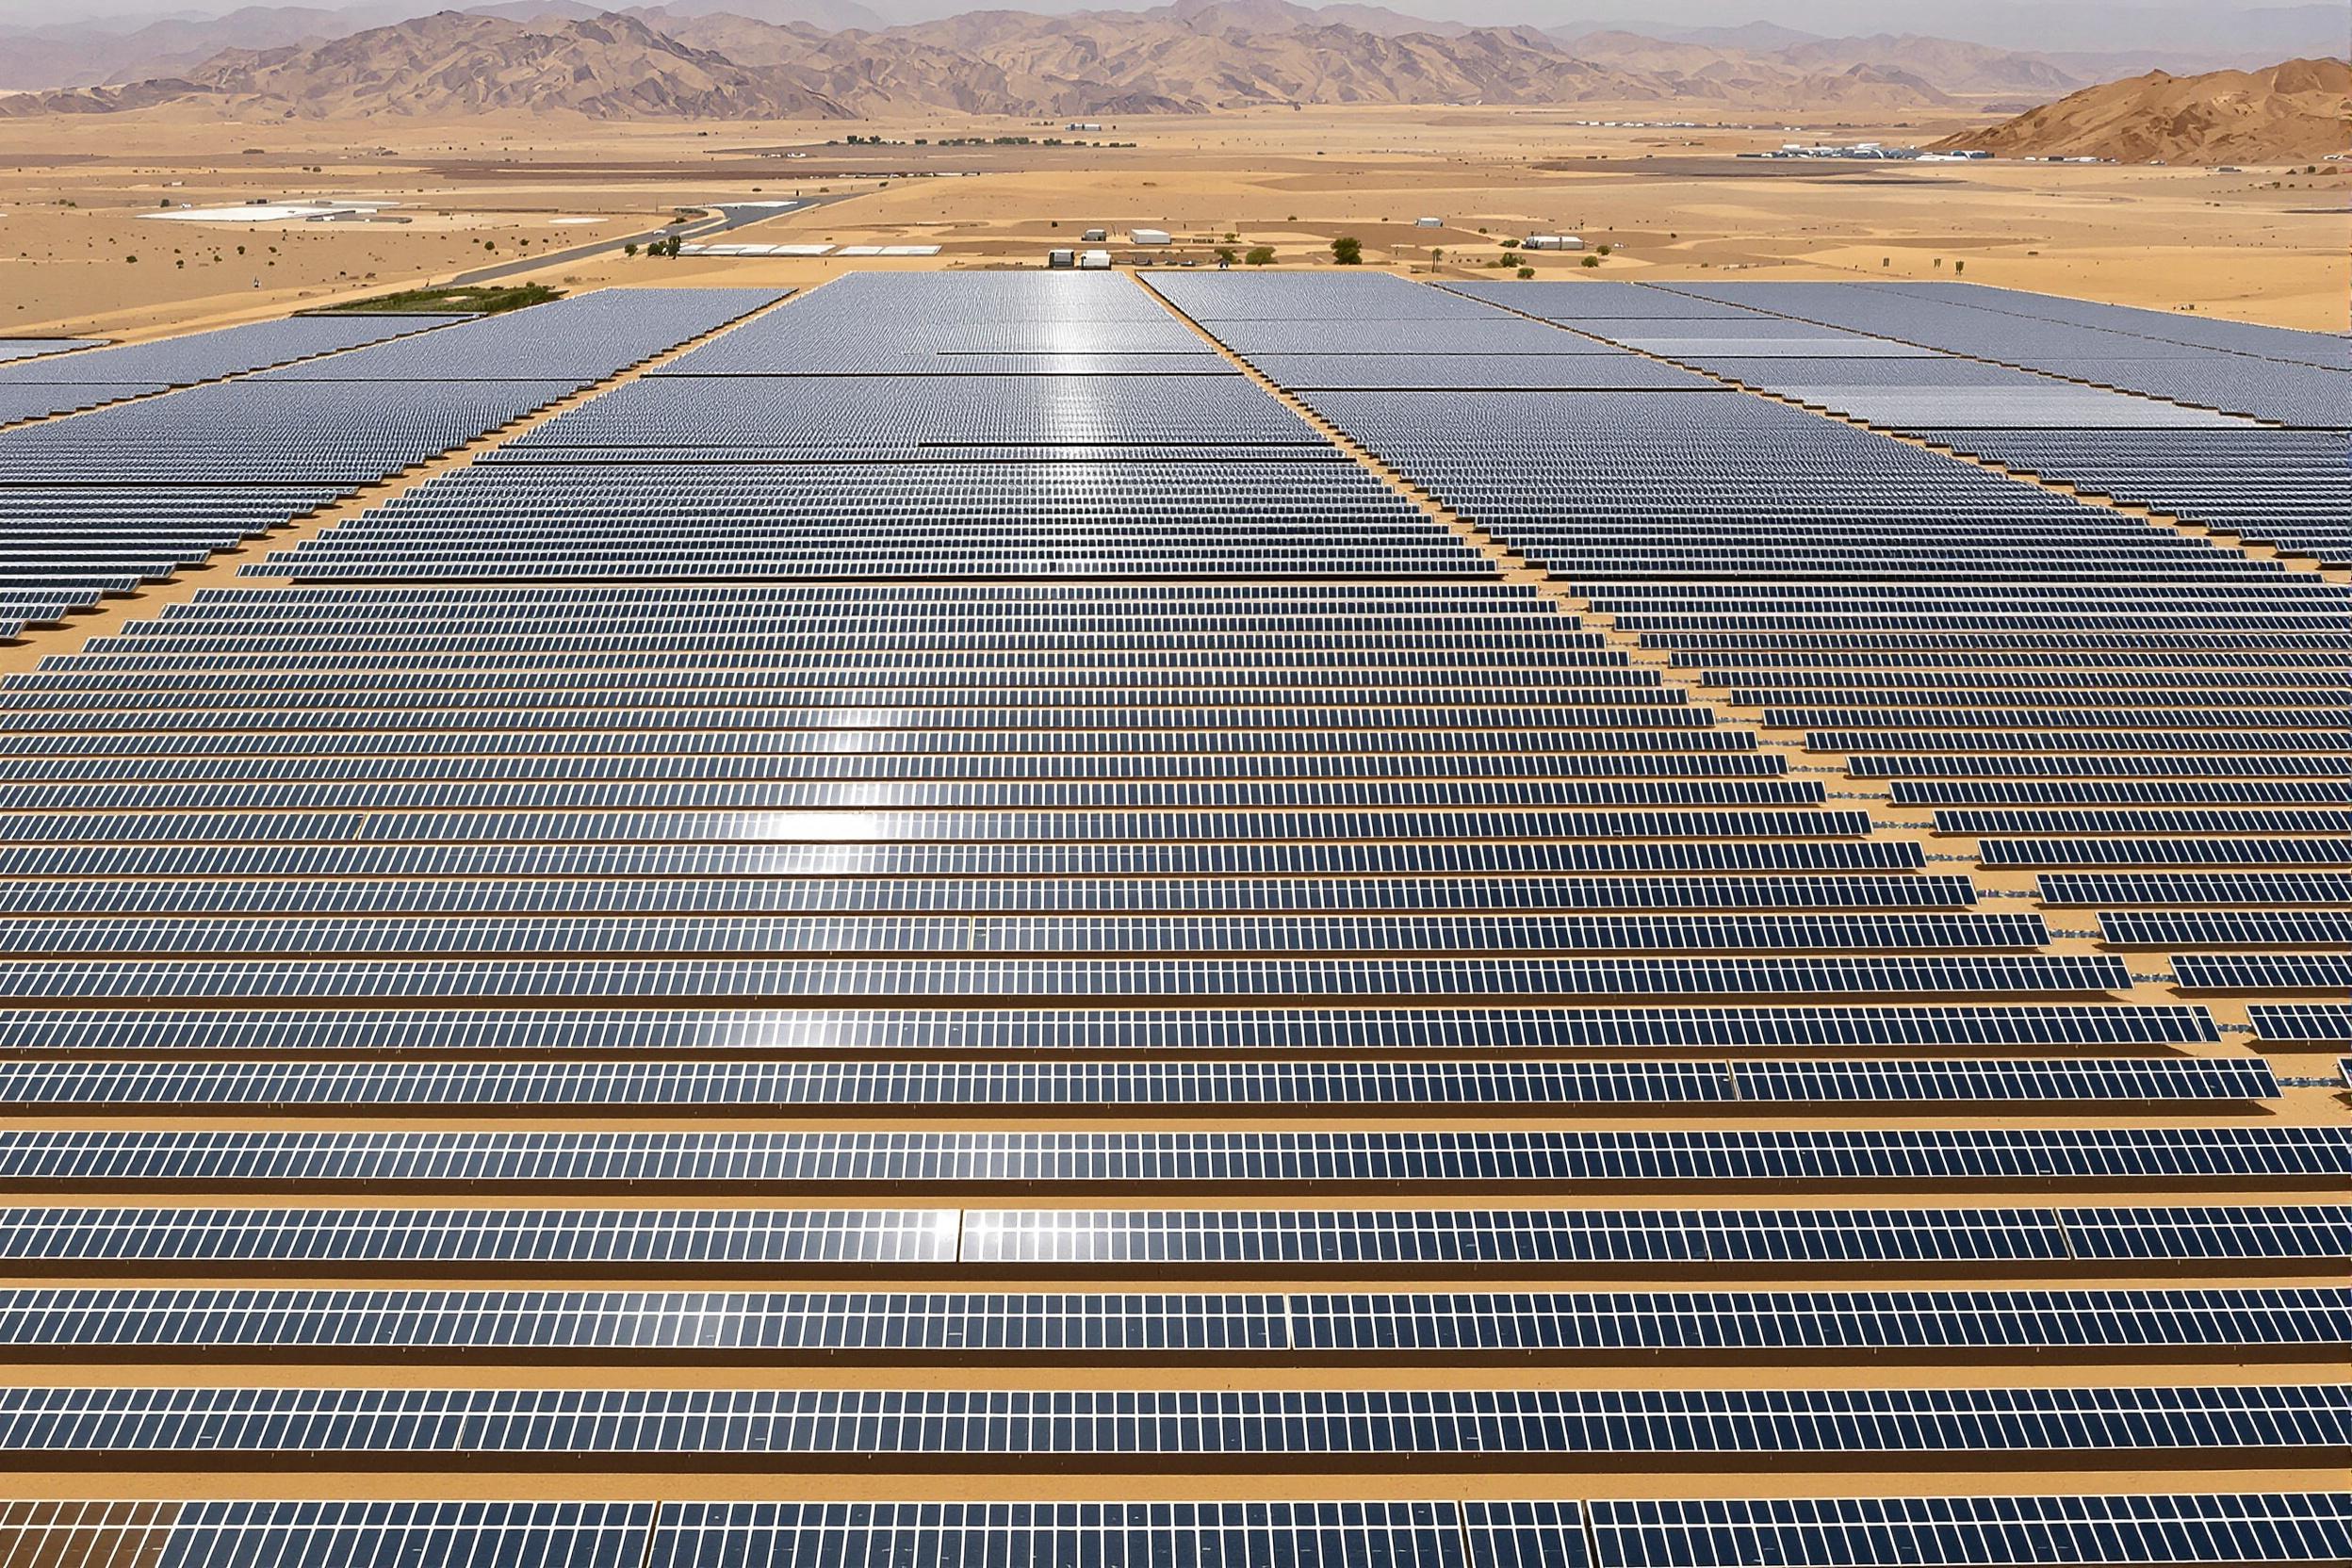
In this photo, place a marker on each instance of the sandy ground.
(2265, 245)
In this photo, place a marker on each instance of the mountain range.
(693, 60)
(822, 59)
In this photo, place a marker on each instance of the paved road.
(727, 216)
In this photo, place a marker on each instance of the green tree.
(1346, 251)
(1527, 272)
(1592, 261)
(1259, 256)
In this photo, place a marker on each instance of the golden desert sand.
(78, 191)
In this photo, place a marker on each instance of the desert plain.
(84, 252)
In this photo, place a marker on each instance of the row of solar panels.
(1207, 980)
(2244, 1322)
(727, 1241)
(644, 756)
(1993, 1031)
(2141, 1530)
(852, 894)
(2119, 792)
(358, 1088)
(547, 1161)
(2194, 888)
(1011, 935)
(576, 601)
(1401, 1429)
(720, 689)
(489, 856)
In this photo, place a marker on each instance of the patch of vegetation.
(477, 299)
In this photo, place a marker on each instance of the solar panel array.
(2148, 675)
(945, 882)
(14, 348)
(932, 426)
(130, 493)
(99, 373)
(2094, 398)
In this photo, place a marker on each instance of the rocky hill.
(2298, 110)
(606, 68)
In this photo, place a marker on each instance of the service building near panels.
(1280, 920)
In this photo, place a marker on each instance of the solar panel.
(2303, 1023)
